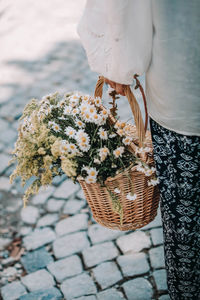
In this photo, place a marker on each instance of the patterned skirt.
(177, 160)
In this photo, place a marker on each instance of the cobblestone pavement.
(54, 249)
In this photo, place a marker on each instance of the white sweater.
(160, 38)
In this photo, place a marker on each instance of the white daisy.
(79, 123)
(104, 113)
(117, 191)
(103, 134)
(97, 101)
(75, 111)
(67, 110)
(127, 140)
(103, 153)
(120, 132)
(96, 119)
(118, 152)
(131, 196)
(97, 161)
(153, 182)
(82, 137)
(85, 98)
(55, 127)
(112, 135)
(70, 131)
(90, 179)
(84, 147)
(72, 148)
(149, 171)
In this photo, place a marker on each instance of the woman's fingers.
(118, 87)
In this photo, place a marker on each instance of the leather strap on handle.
(141, 129)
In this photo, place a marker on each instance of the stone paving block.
(164, 297)
(54, 205)
(47, 220)
(99, 234)
(40, 279)
(4, 159)
(30, 214)
(110, 294)
(36, 260)
(70, 244)
(80, 194)
(107, 274)
(13, 291)
(72, 224)
(38, 238)
(66, 189)
(161, 279)
(25, 230)
(99, 253)
(4, 242)
(11, 136)
(92, 297)
(42, 196)
(157, 236)
(135, 241)
(133, 264)
(5, 184)
(157, 257)
(138, 289)
(73, 206)
(81, 285)
(47, 294)
(66, 267)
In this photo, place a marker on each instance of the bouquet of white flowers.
(76, 135)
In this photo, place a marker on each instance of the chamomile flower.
(74, 100)
(131, 196)
(103, 153)
(75, 111)
(67, 110)
(90, 179)
(82, 137)
(120, 132)
(149, 171)
(85, 98)
(97, 101)
(103, 134)
(84, 146)
(86, 116)
(97, 161)
(119, 125)
(117, 191)
(72, 148)
(70, 131)
(92, 172)
(79, 123)
(104, 113)
(91, 110)
(96, 119)
(118, 152)
(64, 146)
(55, 127)
(127, 140)
(153, 182)
(112, 135)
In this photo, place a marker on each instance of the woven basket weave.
(143, 209)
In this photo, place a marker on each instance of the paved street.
(54, 249)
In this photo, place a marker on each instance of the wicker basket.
(143, 209)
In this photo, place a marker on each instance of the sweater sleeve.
(117, 37)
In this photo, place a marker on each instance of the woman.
(161, 39)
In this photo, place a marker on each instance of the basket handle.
(141, 129)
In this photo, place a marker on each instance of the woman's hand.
(118, 87)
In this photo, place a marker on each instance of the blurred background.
(40, 53)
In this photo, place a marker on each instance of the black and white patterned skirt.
(177, 160)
